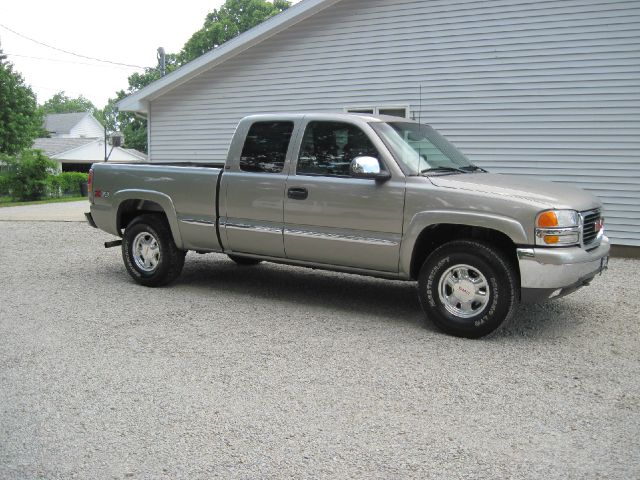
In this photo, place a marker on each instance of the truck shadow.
(384, 300)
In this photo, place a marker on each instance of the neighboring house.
(73, 125)
(78, 154)
(77, 141)
(544, 89)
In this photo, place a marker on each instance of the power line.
(59, 60)
(68, 52)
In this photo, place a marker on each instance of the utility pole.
(116, 137)
(162, 62)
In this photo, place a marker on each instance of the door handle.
(297, 193)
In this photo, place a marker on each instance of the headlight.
(558, 228)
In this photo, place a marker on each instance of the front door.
(333, 218)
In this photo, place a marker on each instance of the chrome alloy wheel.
(146, 252)
(463, 290)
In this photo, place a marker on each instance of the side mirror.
(368, 167)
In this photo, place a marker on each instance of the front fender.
(422, 220)
(152, 196)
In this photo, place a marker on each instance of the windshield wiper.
(442, 169)
(473, 168)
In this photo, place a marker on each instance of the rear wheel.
(244, 261)
(149, 252)
(467, 288)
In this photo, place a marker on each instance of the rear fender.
(160, 198)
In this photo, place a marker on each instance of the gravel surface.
(277, 372)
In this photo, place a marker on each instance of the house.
(77, 141)
(73, 125)
(550, 90)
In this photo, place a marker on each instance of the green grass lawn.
(6, 201)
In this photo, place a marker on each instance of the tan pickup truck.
(379, 196)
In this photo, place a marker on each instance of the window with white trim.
(401, 111)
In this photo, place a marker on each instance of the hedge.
(32, 176)
(66, 184)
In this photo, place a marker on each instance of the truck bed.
(188, 192)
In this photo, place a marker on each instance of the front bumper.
(555, 272)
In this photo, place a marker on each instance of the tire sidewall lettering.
(495, 293)
(431, 292)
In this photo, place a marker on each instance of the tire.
(244, 261)
(467, 288)
(149, 252)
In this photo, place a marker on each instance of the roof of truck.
(333, 115)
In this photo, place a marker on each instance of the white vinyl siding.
(88, 127)
(546, 89)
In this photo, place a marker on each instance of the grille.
(589, 232)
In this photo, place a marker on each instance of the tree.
(20, 119)
(233, 18)
(132, 127)
(61, 103)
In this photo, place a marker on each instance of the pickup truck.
(371, 195)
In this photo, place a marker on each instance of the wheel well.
(130, 209)
(434, 236)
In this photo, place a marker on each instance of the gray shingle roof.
(54, 146)
(137, 153)
(62, 122)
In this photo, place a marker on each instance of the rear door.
(335, 219)
(254, 185)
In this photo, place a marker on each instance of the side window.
(265, 147)
(329, 147)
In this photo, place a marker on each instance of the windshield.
(420, 149)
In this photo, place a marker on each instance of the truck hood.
(546, 194)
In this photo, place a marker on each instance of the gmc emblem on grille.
(598, 224)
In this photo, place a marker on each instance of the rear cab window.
(265, 147)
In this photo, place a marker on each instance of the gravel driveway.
(282, 372)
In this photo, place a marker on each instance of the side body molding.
(160, 198)
(510, 227)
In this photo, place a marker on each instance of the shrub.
(26, 176)
(66, 184)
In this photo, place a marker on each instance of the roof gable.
(138, 101)
(62, 123)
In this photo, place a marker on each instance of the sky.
(123, 31)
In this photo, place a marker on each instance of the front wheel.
(149, 252)
(467, 288)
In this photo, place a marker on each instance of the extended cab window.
(265, 147)
(329, 147)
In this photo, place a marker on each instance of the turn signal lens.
(547, 219)
(551, 239)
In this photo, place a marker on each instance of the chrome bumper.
(548, 269)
